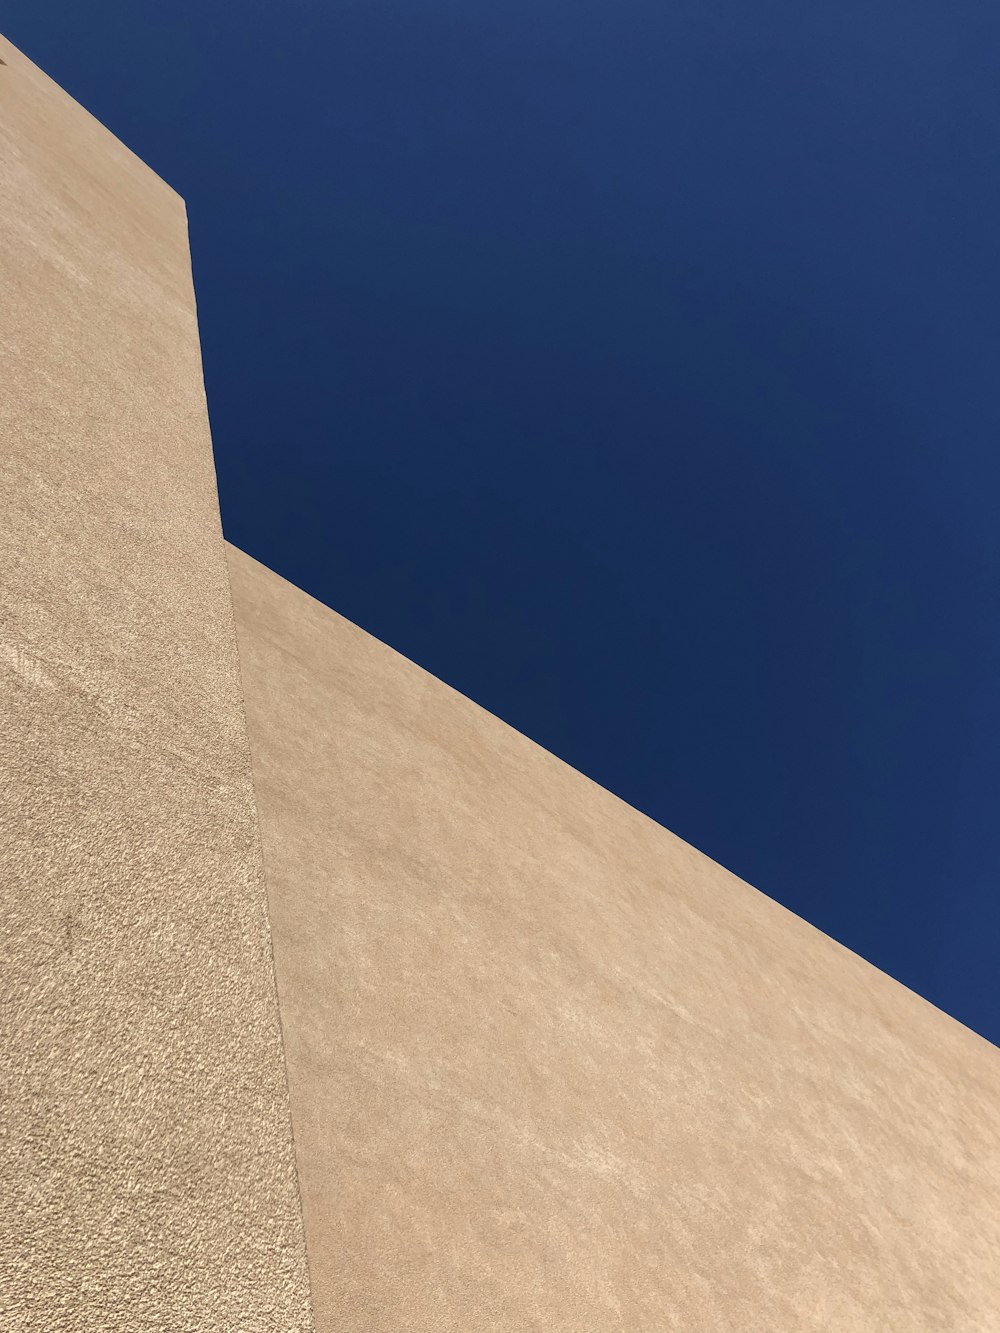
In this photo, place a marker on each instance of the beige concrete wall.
(549, 1067)
(146, 1172)
(553, 1069)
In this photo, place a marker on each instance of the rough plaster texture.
(147, 1177)
(550, 1068)
(553, 1069)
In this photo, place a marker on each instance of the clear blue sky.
(633, 367)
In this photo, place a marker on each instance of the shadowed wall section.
(146, 1171)
(551, 1068)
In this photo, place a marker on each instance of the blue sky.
(632, 367)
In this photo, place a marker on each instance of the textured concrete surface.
(551, 1068)
(146, 1171)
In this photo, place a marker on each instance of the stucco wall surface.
(553, 1069)
(146, 1170)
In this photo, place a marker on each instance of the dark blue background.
(632, 366)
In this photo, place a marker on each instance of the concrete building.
(332, 1003)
